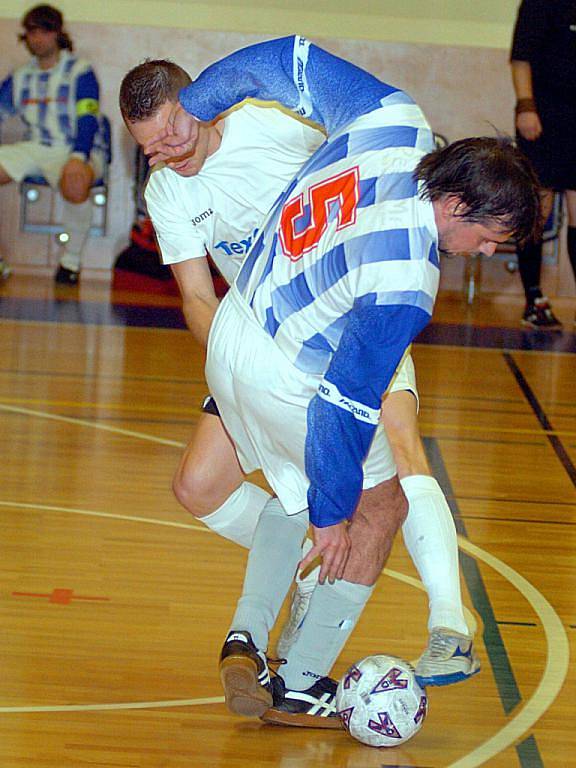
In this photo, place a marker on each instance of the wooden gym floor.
(114, 602)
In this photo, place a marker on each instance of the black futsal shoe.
(313, 708)
(66, 276)
(245, 676)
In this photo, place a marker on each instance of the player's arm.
(292, 71)
(184, 250)
(87, 107)
(343, 416)
(77, 174)
(199, 301)
(7, 97)
(529, 36)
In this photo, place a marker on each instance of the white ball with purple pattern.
(380, 702)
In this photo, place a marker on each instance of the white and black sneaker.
(313, 708)
(245, 676)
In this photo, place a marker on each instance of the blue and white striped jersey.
(345, 271)
(58, 105)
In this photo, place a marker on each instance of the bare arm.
(199, 302)
(527, 121)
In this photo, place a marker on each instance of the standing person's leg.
(571, 231)
(75, 181)
(17, 161)
(538, 313)
(5, 270)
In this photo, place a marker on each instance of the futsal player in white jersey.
(57, 96)
(217, 208)
(340, 280)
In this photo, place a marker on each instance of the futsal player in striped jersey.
(57, 96)
(214, 201)
(339, 282)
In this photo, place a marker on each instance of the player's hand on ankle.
(332, 544)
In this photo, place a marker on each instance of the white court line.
(92, 425)
(552, 680)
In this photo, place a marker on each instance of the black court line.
(143, 316)
(540, 414)
(518, 623)
(99, 376)
(502, 670)
(524, 521)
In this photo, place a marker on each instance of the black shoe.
(313, 708)
(245, 676)
(66, 276)
(539, 315)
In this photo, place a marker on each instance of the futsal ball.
(380, 702)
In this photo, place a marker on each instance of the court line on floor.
(177, 444)
(108, 515)
(550, 684)
(92, 425)
(555, 671)
(556, 667)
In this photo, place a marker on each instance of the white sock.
(430, 538)
(237, 518)
(333, 613)
(274, 556)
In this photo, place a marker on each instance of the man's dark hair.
(49, 18)
(150, 85)
(492, 178)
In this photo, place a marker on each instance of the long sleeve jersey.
(59, 106)
(345, 271)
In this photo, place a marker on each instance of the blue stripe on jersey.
(433, 257)
(386, 137)
(392, 186)
(317, 351)
(271, 324)
(419, 299)
(62, 111)
(383, 245)
(332, 151)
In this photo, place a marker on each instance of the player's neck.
(215, 133)
(50, 60)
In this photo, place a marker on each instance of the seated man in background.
(57, 97)
(340, 280)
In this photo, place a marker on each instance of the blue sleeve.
(7, 97)
(343, 416)
(87, 107)
(303, 77)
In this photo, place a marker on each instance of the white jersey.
(220, 210)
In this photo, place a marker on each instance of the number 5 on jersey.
(341, 190)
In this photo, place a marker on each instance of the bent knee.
(194, 491)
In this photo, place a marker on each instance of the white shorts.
(263, 402)
(27, 158)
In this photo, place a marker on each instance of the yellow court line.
(103, 405)
(507, 430)
(557, 663)
(92, 425)
(493, 350)
(114, 707)
(555, 671)
(106, 515)
(142, 436)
